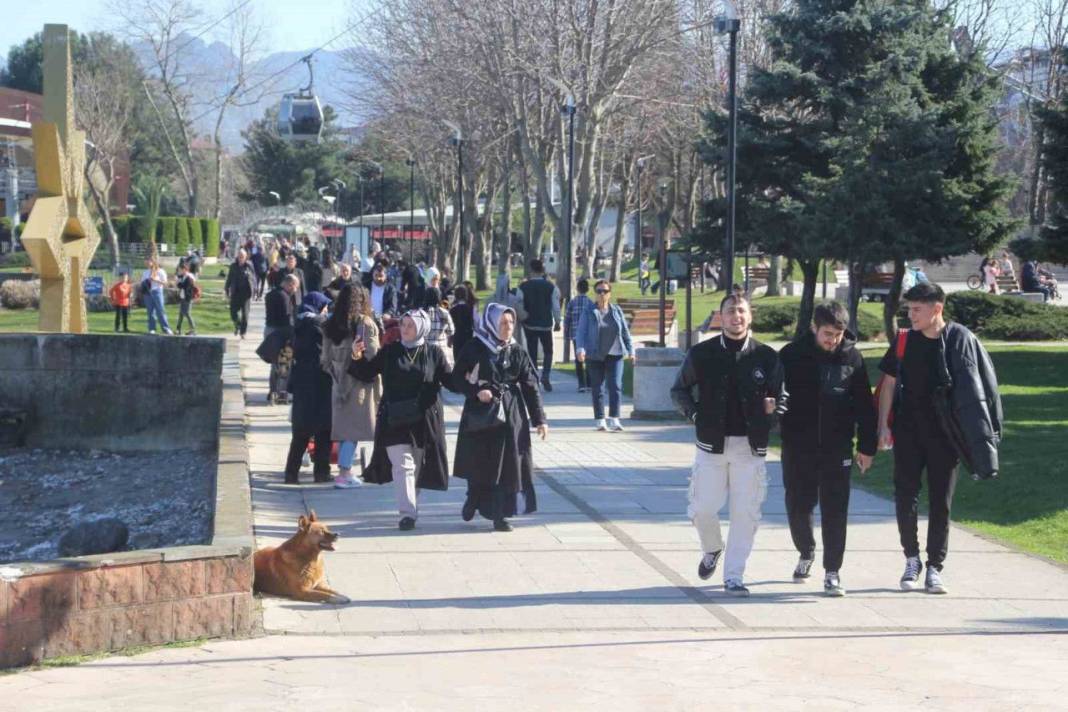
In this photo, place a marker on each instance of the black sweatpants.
(298, 445)
(239, 314)
(545, 338)
(122, 314)
(580, 370)
(812, 477)
(918, 448)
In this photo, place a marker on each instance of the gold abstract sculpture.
(60, 236)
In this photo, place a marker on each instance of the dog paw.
(340, 600)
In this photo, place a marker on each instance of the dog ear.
(312, 517)
(303, 523)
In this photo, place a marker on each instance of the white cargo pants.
(741, 477)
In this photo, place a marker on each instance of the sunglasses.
(603, 291)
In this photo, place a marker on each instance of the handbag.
(480, 416)
(404, 412)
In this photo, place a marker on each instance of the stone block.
(228, 575)
(246, 614)
(654, 374)
(166, 581)
(21, 643)
(141, 625)
(78, 634)
(5, 600)
(211, 617)
(50, 596)
(110, 586)
(18, 352)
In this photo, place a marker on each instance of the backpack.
(196, 292)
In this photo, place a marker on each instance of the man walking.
(740, 391)
(240, 286)
(830, 403)
(542, 301)
(943, 396)
(575, 309)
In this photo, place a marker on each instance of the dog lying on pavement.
(295, 569)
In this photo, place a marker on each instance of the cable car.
(300, 116)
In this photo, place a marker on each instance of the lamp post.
(728, 23)
(381, 199)
(568, 110)
(411, 210)
(458, 141)
(663, 187)
(638, 247)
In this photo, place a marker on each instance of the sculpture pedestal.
(654, 374)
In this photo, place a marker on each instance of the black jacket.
(240, 282)
(280, 307)
(830, 398)
(760, 376)
(333, 290)
(308, 383)
(538, 301)
(389, 299)
(966, 400)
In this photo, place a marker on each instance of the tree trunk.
(112, 238)
(504, 247)
(775, 277)
(856, 290)
(621, 226)
(893, 300)
(811, 270)
(1034, 197)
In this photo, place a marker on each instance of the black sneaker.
(803, 570)
(292, 479)
(832, 585)
(548, 386)
(406, 524)
(469, 509)
(734, 587)
(502, 525)
(910, 580)
(322, 477)
(707, 566)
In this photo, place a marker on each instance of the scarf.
(314, 302)
(486, 329)
(422, 328)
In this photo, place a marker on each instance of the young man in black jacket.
(541, 298)
(946, 409)
(830, 404)
(740, 391)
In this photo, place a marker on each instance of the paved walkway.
(594, 600)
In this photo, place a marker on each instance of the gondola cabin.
(300, 118)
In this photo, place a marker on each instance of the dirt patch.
(165, 499)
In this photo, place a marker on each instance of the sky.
(292, 24)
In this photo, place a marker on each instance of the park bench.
(758, 276)
(643, 315)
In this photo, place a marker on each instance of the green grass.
(63, 661)
(1027, 506)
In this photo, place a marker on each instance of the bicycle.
(975, 281)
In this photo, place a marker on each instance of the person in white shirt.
(155, 279)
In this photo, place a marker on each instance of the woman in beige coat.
(354, 402)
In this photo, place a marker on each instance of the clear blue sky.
(292, 24)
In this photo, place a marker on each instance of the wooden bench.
(1007, 283)
(643, 315)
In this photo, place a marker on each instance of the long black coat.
(308, 383)
(417, 374)
(500, 456)
(240, 282)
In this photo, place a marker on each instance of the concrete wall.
(114, 392)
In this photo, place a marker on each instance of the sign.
(93, 285)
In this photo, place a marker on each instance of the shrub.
(211, 239)
(181, 233)
(205, 230)
(168, 231)
(1002, 317)
(1019, 328)
(5, 229)
(15, 259)
(19, 294)
(121, 223)
(774, 317)
(196, 235)
(138, 227)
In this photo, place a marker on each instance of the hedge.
(782, 318)
(5, 229)
(196, 235)
(168, 231)
(1009, 318)
(121, 223)
(211, 238)
(181, 234)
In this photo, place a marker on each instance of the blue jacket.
(586, 340)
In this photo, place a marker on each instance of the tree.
(1054, 236)
(24, 68)
(869, 139)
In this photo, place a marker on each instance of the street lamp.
(381, 199)
(411, 210)
(663, 187)
(638, 239)
(568, 110)
(728, 23)
(457, 140)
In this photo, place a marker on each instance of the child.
(187, 288)
(120, 299)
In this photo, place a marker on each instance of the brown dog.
(295, 569)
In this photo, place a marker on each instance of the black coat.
(313, 273)
(302, 288)
(830, 398)
(333, 290)
(240, 282)
(308, 383)
(760, 376)
(279, 306)
(405, 375)
(499, 456)
(463, 319)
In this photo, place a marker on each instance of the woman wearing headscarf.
(410, 428)
(354, 403)
(493, 448)
(310, 389)
(512, 298)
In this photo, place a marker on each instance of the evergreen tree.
(1053, 245)
(866, 140)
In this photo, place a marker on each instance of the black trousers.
(580, 371)
(299, 444)
(545, 338)
(123, 314)
(239, 314)
(918, 448)
(810, 477)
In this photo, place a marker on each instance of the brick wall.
(44, 615)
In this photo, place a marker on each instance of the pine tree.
(1053, 245)
(867, 140)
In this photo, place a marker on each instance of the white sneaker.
(346, 481)
(614, 425)
(600, 424)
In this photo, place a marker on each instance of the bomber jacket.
(586, 332)
(830, 398)
(760, 376)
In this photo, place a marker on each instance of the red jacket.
(120, 294)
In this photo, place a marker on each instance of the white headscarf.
(486, 330)
(422, 328)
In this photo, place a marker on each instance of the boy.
(187, 287)
(120, 299)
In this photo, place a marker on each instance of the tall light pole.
(638, 239)
(458, 141)
(568, 249)
(381, 200)
(728, 23)
(411, 210)
(663, 187)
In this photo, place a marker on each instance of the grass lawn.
(1027, 506)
